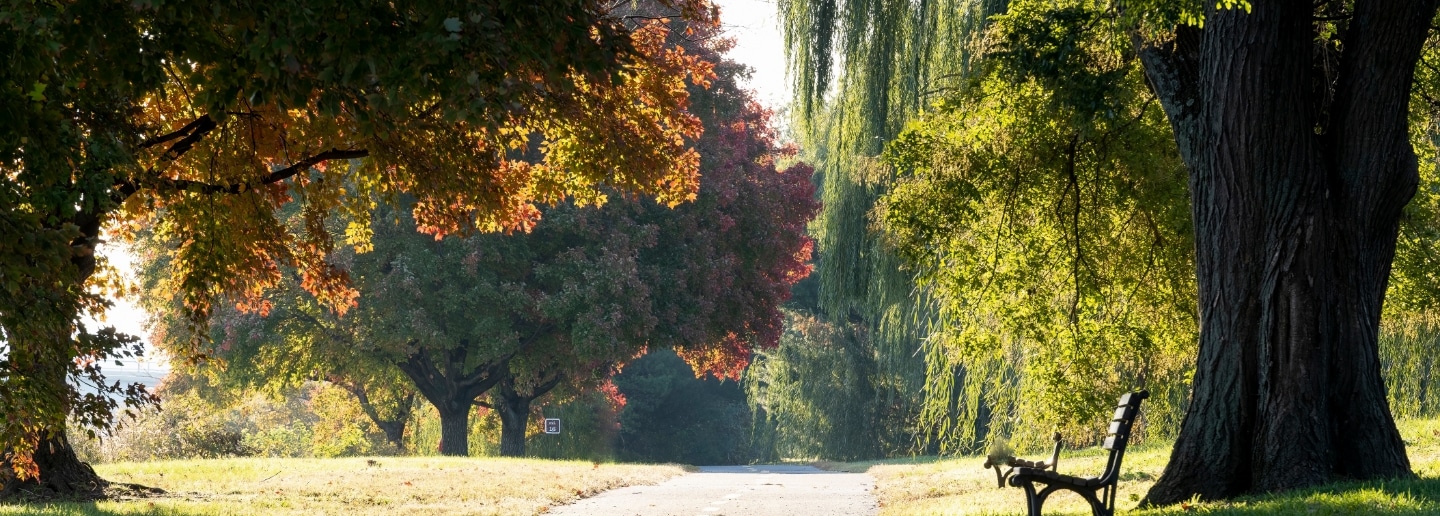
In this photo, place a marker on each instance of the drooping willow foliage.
(1058, 274)
(821, 394)
(1044, 208)
(861, 70)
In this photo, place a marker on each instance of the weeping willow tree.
(1003, 305)
(1042, 205)
(819, 394)
(862, 69)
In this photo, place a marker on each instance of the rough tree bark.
(514, 408)
(452, 391)
(1300, 163)
(62, 475)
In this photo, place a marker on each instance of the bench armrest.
(1054, 456)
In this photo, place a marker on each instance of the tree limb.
(191, 134)
(1173, 70)
(183, 131)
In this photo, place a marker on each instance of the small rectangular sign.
(552, 425)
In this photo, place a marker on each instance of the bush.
(315, 420)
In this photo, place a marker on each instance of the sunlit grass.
(391, 485)
(930, 486)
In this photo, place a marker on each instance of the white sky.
(125, 316)
(758, 43)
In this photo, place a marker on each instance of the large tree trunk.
(62, 475)
(1297, 191)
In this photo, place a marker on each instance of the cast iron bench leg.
(1034, 500)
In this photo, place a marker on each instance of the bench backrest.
(1118, 436)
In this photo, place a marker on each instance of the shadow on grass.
(864, 466)
(1389, 497)
(125, 508)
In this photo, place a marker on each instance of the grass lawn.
(960, 486)
(391, 485)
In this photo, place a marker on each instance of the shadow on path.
(778, 469)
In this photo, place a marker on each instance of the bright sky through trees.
(754, 27)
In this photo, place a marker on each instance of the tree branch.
(183, 131)
(423, 374)
(1173, 70)
(191, 134)
(273, 177)
(546, 387)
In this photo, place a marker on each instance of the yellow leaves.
(1233, 4)
(22, 459)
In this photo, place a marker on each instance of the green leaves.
(453, 24)
(37, 92)
(1038, 205)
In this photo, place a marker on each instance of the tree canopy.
(569, 300)
(199, 119)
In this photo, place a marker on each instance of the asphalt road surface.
(739, 491)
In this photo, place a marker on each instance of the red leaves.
(612, 395)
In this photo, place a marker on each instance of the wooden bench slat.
(1115, 427)
(1112, 441)
(1124, 413)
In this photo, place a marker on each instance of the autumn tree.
(586, 289)
(199, 119)
(718, 269)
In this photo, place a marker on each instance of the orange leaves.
(22, 459)
(481, 153)
(726, 359)
(635, 135)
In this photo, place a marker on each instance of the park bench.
(1099, 491)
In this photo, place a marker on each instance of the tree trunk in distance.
(514, 408)
(451, 390)
(514, 419)
(455, 431)
(394, 432)
(1296, 216)
(394, 429)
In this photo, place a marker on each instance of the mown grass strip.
(351, 486)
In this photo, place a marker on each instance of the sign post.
(552, 425)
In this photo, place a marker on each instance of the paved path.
(739, 491)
